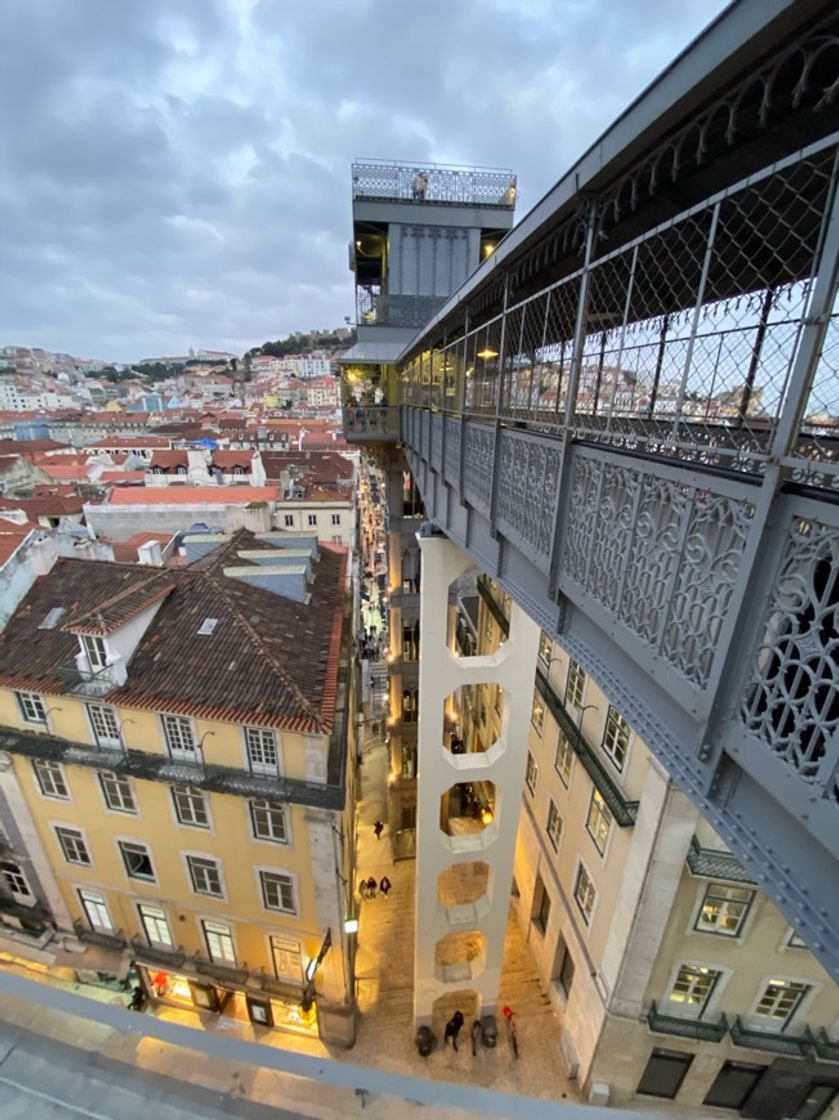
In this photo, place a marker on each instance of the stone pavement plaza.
(384, 975)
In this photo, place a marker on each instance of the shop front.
(261, 1008)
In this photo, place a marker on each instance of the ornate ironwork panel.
(661, 556)
(479, 450)
(451, 465)
(528, 471)
(791, 699)
(437, 441)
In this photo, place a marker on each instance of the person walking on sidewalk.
(371, 887)
(477, 1034)
(362, 890)
(385, 885)
(453, 1028)
(378, 828)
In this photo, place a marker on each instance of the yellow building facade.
(211, 854)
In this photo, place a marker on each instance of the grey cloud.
(166, 179)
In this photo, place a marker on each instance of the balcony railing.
(492, 605)
(686, 1028)
(826, 1048)
(96, 682)
(710, 863)
(798, 1046)
(438, 183)
(622, 810)
(371, 422)
(159, 767)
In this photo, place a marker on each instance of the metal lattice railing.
(682, 343)
(385, 180)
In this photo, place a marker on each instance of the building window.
(554, 825)
(565, 979)
(137, 860)
(734, 1084)
(289, 520)
(73, 846)
(31, 706)
(336, 519)
(190, 806)
(616, 737)
(103, 720)
(96, 910)
(94, 651)
(409, 705)
(724, 909)
(261, 744)
(665, 1073)
(180, 738)
(585, 894)
(312, 519)
(285, 954)
(541, 906)
(277, 891)
(219, 941)
(156, 925)
(116, 789)
(269, 821)
(545, 648)
(575, 686)
(599, 821)
(532, 772)
(564, 758)
(14, 879)
(537, 714)
(780, 1001)
(692, 987)
(51, 779)
(205, 874)
(820, 1096)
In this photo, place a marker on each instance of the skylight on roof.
(208, 626)
(51, 621)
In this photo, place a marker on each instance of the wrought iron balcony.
(95, 682)
(799, 1046)
(434, 183)
(710, 863)
(686, 1028)
(371, 423)
(826, 1048)
(622, 810)
(159, 767)
(492, 604)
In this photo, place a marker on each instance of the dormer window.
(94, 651)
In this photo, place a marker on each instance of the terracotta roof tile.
(269, 660)
(193, 495)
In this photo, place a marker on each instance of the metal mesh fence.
(688, 337)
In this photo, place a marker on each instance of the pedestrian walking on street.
(385, 885)
(378, 828)
(453, 1028)
(362, 889)
(477, 1034)
(371, 887)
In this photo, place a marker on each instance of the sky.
(176, 173)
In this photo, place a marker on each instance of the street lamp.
(580, 713)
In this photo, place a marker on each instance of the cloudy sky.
(176, 172)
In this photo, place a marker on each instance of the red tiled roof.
(75, 471)
(122, 478)
(169, 459)
(242, 458)
(193, 495)
(115, 599)
(269, 660)
(12, 537)
(126, 551)
(30, 446)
